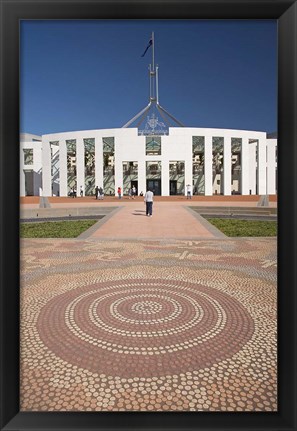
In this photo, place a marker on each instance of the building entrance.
(155, 186)
(29, 188)
(173, 187)
(135, 184)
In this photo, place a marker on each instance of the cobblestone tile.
(148, 325)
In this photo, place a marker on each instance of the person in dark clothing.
(100, 193)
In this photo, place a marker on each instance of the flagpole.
(150, 82)
(157, 85)
(153, 75)
(150, 75)
(153, 43)
(154, 94)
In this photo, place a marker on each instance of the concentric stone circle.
(146, 307)
(141, 327)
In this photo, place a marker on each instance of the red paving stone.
(124, 316)
(169, 220)
(152, 325)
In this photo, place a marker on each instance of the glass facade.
(55, 170)
(153, 145)
(28, 156)
(217, 164)
(236, 144)
(130, 176)
(198, 143)
(71, 164)
(253, 144)
(153, 176)
(108, 166)
(89, 162)
(176, 177)
(153, 170)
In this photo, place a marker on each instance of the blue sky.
(81, 75)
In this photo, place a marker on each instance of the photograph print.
(148, 216)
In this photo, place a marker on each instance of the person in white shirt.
(189, 191)
(149, 199)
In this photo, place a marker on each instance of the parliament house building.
(212, 161)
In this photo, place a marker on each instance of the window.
(198, 145)
(217, 154)
(153, 170)
(198, 148)
(108, 166)
(153, 145)
(28, 156)
(89, 149)
(130, 168)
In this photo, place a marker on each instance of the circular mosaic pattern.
(143, 327)
(146, 307)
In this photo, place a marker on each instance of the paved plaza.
(149, 314)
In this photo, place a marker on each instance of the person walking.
(100, 193)
(81, 192)
(189, 191)
(96, 192)
(119, 192)
(149, 199)
(133, 192)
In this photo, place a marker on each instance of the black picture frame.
(285, 12)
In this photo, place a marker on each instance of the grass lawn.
(55, 229)
(235, 227)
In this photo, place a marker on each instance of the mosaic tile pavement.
(148, 325)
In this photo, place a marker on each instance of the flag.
(149, 44)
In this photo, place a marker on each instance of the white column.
(46, 169)
(227, 166)
(271, 167)
(22, 173)
(80, 165)
(118, 171)
(262, 167)
(189, 174)
(55, 167)
(208, 165)
(165, 178)
(99, 162)
(22, 178)
(245, 166)
(63, 168)
(141, 176)
(252, 179)
(36, 183)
